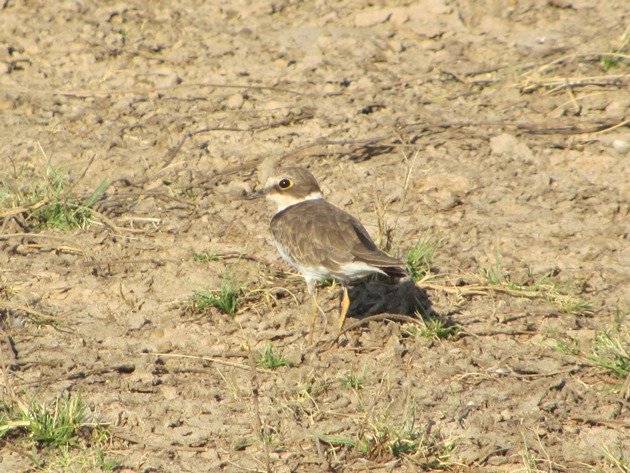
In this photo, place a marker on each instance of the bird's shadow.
(375, 296)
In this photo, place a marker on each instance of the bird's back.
(316, 234)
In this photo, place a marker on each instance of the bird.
(320, 240)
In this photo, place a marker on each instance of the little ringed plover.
(319, 239)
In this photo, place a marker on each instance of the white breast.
(346, 272)
(308, 272)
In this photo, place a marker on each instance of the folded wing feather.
(316, 233)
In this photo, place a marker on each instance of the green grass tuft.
(543, 287)
(225, 298)
(352, 379)
(381, 439)
(270, 358)
(324, 282)
(418, 258)
(385, 442)
(610, 348)
(60, 433)
(205, 256)
(493, 275)
(54, 424)
(567, 346)
(49, 202)
(432, 327)
(618, 55)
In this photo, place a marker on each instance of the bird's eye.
(285, 184)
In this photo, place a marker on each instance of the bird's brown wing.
(316, 233)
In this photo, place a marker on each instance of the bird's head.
(289, 186)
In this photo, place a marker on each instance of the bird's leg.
(343, 311)
(311, 327)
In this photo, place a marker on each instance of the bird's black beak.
(255, 194)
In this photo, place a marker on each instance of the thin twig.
(618, 125)
(19, 210)
(22, 308)
(232, 86)
(12, 353)
(258, 425)
(63, 249)
(211, 359)
(124, 368)
(84, 172)
(134, 440)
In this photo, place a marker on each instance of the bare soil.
(509, 118)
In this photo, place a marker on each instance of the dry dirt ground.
(499, 129)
